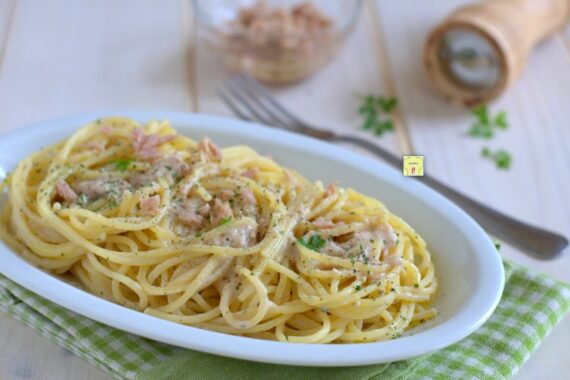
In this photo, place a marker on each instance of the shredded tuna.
(65, 192)
(149, 205)
(177, 165)
(192, 212)
(361, 245)
(250, 173)
(248, 196)
(190, 219)
(211, 150)
(266, 27)
(221, 210)
(204, 210)
(146, 146)
(383, 233)
(226, 194)
(169, 168)
(332, 188)
(97, 188)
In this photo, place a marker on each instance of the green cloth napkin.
(532, 304)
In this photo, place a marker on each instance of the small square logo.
(413, 166)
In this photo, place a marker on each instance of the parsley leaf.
(225, 220)
(485, 125)
(501, 157)
(375, 112)
(123, 164)
(384, 126)
(387, 104)
(315, 242)
(481, 130)
(481, 113)
(501, 120)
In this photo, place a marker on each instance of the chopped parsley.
(82, 199)
(363, 254)
(123, 164)
(225, 220)
(376, 113)
(315, 242)
(485, 125)
(501, 157)
(357, 287)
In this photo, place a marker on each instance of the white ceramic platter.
(468, 267)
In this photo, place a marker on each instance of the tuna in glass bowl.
(276, 41)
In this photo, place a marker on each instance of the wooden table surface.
(62, 57)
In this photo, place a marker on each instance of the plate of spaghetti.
(239, 240)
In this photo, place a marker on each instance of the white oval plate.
(468, 267)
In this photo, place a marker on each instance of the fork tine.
(260, 100)
(263, 113)
(233, 89)
(228, 101)
(260, 89)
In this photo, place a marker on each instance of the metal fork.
(249, 100)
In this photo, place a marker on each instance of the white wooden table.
(61, 57)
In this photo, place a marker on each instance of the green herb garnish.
(82, 199)
(485, 125)
(357, 287)
(225, 220)
(387, 104)
(123, 164)
(315, 242)
(501, 157)
(376, 113)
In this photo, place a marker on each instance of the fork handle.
(535, 241)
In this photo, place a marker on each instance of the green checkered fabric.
(531, 306)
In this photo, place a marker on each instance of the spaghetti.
(221, 239)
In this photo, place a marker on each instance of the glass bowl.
(276, 41)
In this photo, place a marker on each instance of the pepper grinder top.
(477, 52)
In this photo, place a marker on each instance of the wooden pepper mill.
(481, 49)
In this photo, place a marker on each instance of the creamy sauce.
(361, 244)
(236, 237)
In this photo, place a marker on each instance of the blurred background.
(61, 57)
